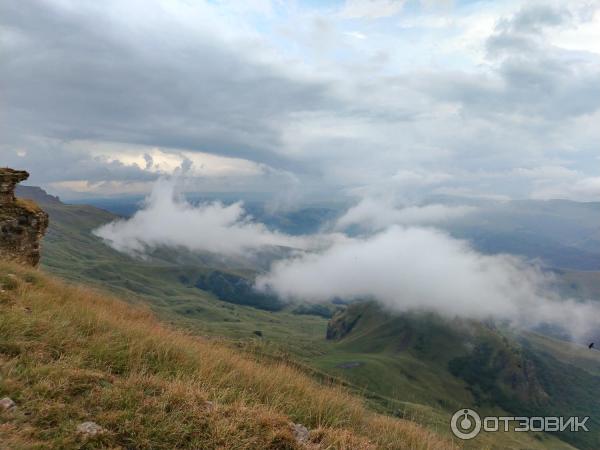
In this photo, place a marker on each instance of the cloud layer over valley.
(374, 214)
(400, 261)
(168, 220)
(425, 269)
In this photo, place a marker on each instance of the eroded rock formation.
(22, 222)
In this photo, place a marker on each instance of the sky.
(304, 100)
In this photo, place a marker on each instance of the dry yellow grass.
(27, 204)
(70, 354)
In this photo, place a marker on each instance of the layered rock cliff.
(22, 222)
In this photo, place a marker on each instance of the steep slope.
(70, 355)
(195, 290)
(419, 359)
(73, 251)
(400, 364)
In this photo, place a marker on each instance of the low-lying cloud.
(402, 267)
(169, 220)
(425, 269)
(375, 215)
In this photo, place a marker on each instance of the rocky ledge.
(22, 222)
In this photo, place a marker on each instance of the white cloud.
(472, 193)
(377, 214)
(546, 172)
(168, 161)
(371, 9)
(356, 34)
(419, 178)
(437, 4)
(169, 221)
(423, 269)
(584, 189)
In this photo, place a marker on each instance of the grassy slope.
(73, 252)
(566, 352)
(402, 382)
(405, 360)
(69, 354)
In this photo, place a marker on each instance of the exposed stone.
(6, 404)
(342, 322)
(210, 406)
(22, 222)
(89, 428)
(9, 178)
(301, 433)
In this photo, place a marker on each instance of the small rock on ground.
(210, 406)
(301, 433)
(6, 404)
(89, 428)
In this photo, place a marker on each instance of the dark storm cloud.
(76, 73)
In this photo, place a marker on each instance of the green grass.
(406, 369)
(70, 354)
(566, 352)
(73, 252)
(405, 359)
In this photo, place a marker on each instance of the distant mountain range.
(562, 234)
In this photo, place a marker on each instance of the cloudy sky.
(308, 98)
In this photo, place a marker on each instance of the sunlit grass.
(70, 354)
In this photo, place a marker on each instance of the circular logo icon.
(465, 424)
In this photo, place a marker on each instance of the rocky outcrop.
(342, 322)
(8, 180)
(22, 222)
(501, 370)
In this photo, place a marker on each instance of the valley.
(417, 366)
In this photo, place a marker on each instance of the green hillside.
(414, 365)
(172, 281)
(70, 355)
(424, 365)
